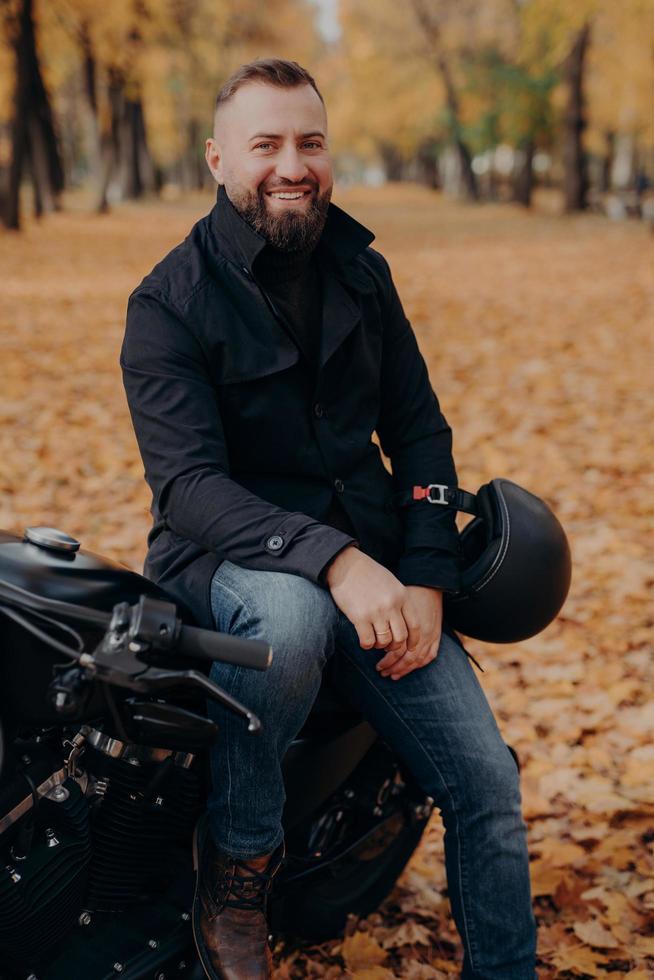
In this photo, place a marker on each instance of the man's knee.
(492, 784)
(291, 613)
(296, 614)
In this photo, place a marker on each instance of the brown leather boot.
(229, 909)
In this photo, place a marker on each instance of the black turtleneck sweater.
(293, 284)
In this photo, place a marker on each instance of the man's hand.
(423, 614)
(403, 620)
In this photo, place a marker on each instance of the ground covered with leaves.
(537, 330)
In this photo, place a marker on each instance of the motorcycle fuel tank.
(52, 564)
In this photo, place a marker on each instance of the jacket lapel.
(340, 314)
(342, 240)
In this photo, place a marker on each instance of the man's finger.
(409, 660)
(413, 639)
(366, 635)
(383, 636)
(398, 649)
(408, 663)
(392, 657)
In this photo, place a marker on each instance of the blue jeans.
(436, 719)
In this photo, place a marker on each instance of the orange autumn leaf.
(361, 951)
(594, 934)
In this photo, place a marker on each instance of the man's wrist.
(322, 578)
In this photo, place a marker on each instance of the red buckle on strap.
(425, 493)
(419, 493)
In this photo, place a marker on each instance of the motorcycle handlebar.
(206, 645)
(189, 640)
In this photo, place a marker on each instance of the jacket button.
(339, 486)
(275, 542)
(318, 410)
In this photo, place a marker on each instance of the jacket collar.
(343, 237)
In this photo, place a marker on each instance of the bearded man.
(259, 358)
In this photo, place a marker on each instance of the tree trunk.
(38, 155)
(138, 171)
(523, 178)
(125, 153)
(110, 140)
(427, 161)
(33, 135)
(18, 155)
(198, 166)
(607, 162)
(575, 176)
(433, 36)
(89, 74)
(392, 161)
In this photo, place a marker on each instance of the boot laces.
(249, 891)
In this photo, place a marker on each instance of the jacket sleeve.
(416, 437)
(175, 413)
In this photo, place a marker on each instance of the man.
(260, 356)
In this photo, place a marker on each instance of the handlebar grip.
(209, 645)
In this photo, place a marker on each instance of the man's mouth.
(287, 195)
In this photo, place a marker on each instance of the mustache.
(290, 185)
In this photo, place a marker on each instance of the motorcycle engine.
(101, 829)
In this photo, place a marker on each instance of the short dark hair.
(271, 71)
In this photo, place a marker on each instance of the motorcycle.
(104, 771)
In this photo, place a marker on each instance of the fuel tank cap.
(51, 538)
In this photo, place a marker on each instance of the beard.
(291, 230)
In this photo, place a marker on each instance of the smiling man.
(281, 187)
(259, 358)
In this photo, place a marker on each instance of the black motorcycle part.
(313, 769)
(80, 577)
(73, 576)
(37, 761)
(40, 895)
(167, 726)
(69, 693)
(153, 940)
(141, 814)
(347, 857)
(316, 907)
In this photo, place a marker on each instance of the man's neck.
(272, 264)
(276, 266)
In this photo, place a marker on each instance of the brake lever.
(115, 662)
(154, 679)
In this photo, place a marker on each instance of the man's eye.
(311, 144)
(262, 146)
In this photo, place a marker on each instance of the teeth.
(285, 196)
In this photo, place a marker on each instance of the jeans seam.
(226, 724)
(228, 743)
(468, 939)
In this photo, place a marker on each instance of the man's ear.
(214, 158)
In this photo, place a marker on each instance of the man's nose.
(290, 164)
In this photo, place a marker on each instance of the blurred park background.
(503, 154)
(486, 101)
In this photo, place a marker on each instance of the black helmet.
(516, 565)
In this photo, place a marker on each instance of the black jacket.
(244, 454)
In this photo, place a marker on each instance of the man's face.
(270, 151)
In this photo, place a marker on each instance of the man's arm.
(415, 436)
(179, 430)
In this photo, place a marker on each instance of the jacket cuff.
(430, 567)
(322, 574)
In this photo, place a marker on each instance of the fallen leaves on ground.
(537, 331)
